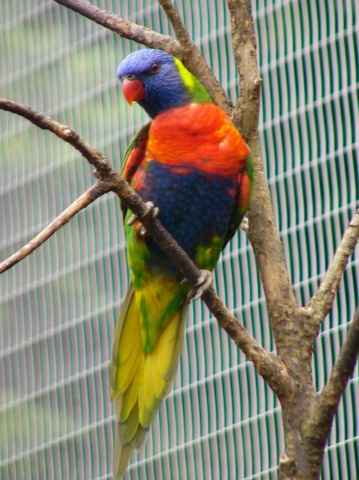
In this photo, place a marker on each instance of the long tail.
(138, 380)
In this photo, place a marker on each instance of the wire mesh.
(59, 306)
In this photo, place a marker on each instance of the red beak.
(133, 90)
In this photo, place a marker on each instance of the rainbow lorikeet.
(191, 162)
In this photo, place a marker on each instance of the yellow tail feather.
(139, 381)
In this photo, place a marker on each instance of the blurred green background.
(58, 306)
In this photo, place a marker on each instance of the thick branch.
(263, 233)
(321, 304)
(124, 28)
(271, 368)
(246, 112)
(293, 339)
(83, 201)
(326, 405)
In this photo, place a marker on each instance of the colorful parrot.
(192, 163)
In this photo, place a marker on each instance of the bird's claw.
(151, 212)
(204, 283)
(96, 174)
(244, 225)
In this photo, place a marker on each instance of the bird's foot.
(140, 229)
(204, 283)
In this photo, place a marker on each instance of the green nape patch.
(197, 90)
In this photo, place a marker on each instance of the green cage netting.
(59, 306)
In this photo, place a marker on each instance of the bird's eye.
(155, 68)
(129, 76)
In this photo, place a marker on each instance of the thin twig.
(83, 201)
(62, 131)
(270, 367)
(321, 303)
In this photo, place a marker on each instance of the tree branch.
(188, 52)
(83, 201)
(322, 302)
(305, 416)
(177, 23)
(193, 59)
(263, 233)
(270, 367)
(62, 131)
(246, 112)
(326, 404)
(124, 28)
(294, 328)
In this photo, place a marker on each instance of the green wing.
(134, 156)
(245, 183)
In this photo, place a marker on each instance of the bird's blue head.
(158, 82)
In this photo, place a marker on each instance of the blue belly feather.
(194, 206)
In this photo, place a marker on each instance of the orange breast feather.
(200, 136)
